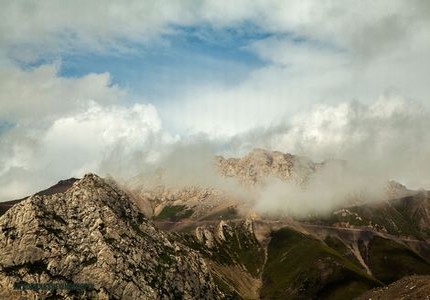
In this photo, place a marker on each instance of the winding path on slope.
(181, 224)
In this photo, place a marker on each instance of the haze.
(113, 87)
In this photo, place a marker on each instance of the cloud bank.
(330, 188)
(324, 66)
(64, 127)
(39, 93)
(387, 139)
(112, 140)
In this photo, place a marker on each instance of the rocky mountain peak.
(91, 180)
(260, 164)
(93, 233)
(259, 155)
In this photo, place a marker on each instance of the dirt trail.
(295, 224)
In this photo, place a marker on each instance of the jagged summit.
(266, 156)
(259, 164)
(60, 187)
(93, 233)
(91, 179)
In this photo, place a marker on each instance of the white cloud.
(387, 140)
(88, 138)
(28, 95)
(346, 61)
(321, 51)
(113, 140)
(367, 26)
(330, 188)
(63, 127)
(325, 52)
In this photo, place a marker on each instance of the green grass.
(174, 213)
(337, 245)
(300, 267)
(249, 252)
(226, 289)
(394, 221)
(392, 216)
(390, 261)
(343, 289)
(241, 248)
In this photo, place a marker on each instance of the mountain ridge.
(74, 237)
(196, 241)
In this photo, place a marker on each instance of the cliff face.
(259, 164)
(94, 234)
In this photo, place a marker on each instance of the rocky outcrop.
(160, 196)
(260, 164)
(94, 234)
(60, 187)
(235, 256)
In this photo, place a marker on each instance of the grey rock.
(93, 233)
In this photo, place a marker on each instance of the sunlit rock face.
(94, 234)
(259, 164)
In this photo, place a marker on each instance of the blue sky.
(190, 55)
(274, 74)
(5, 126)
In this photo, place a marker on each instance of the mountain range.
(143, 239)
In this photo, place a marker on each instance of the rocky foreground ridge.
(94, 234)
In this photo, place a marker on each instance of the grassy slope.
(174, 213)
(241, 249)
(395, 216)
(301, 267)
(390, 261)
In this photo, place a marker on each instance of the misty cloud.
(387, 139)
(102, 140)
(314, 94)
(330, 187)
(39, 93)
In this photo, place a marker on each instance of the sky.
(111, 86)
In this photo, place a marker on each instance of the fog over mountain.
(209, 149)
(110, 88)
